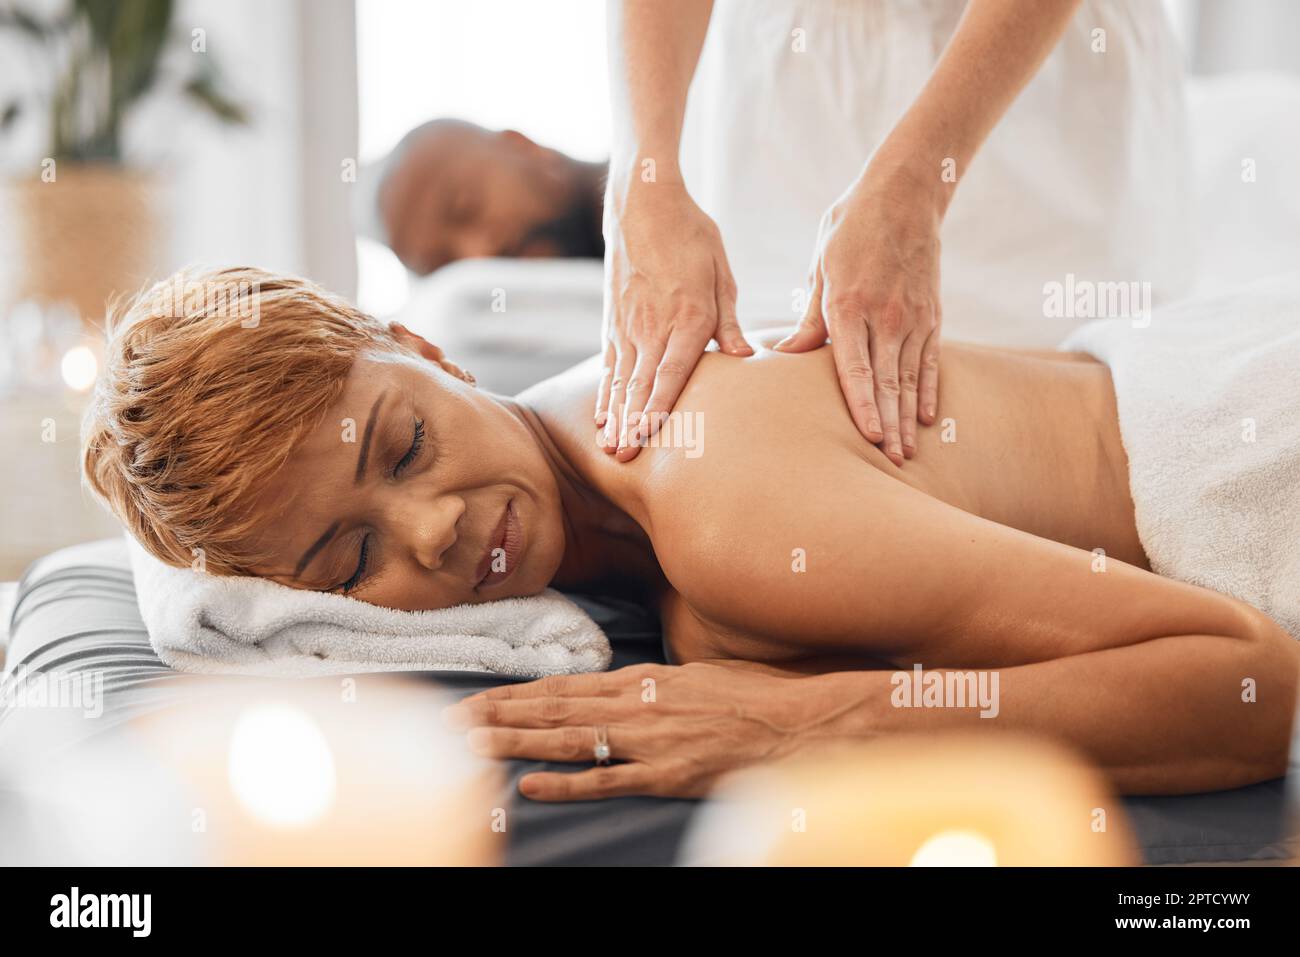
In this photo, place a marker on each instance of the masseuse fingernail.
(784, 342)
(600, 418)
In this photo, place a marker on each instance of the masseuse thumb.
(729, 336)
(811, 333)
(730, 339)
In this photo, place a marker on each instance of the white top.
(1085, 174)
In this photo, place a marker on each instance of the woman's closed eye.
(360, 573)
(400, 466)
(417, 443)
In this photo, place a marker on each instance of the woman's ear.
(428, 350)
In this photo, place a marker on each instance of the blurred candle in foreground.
(354, 770)
(965, 799)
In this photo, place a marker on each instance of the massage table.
(75, 611)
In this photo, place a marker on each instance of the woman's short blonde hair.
(211, 378)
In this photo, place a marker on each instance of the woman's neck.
(604, 548)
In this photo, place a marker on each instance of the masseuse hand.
(668, 291)
(875, 292)
(672, 730)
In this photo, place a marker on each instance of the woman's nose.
(431, 528)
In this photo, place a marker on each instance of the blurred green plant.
(101, 57)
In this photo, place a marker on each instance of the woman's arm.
(888, 570)
(1169, 715)
(1168, 686)
(675, 730)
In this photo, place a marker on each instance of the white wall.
(236, 190)
(537, 66)
(327, 97)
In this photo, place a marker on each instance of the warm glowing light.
(280, 766)
(79, 368)
(956, 849)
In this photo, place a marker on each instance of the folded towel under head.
(225, 625)
(1209, 413)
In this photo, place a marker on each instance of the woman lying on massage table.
(795, 567)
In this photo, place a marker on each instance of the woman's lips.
(503, 551)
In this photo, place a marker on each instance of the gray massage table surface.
(75, 611)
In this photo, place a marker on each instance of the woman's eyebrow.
(315, 547)
(364, 454)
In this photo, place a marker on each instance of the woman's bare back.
(1028, 439)
(1025, 440)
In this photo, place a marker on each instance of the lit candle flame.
(280, 766)
(956, 849)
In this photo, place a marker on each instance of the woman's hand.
(672, 730)
(668, 291)
(875, 292)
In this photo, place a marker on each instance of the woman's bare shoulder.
(566, 404)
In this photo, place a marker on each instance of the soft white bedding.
(511, 322)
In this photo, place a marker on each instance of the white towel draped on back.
(1209, 411)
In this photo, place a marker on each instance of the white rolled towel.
(251, 626)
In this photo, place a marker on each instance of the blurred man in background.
(453, 190)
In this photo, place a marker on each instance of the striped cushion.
(75, 613)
